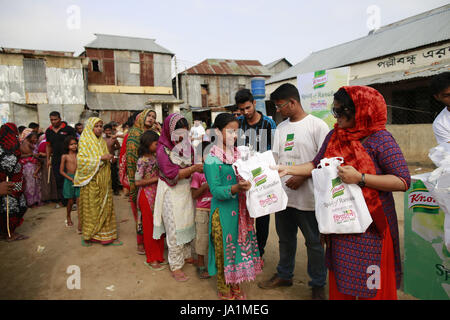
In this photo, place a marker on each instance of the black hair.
(33, 125)
(147, 138)
(440, 82)
(344, 98)
(107, 126)
(205, 144)
(67, 142)
(243, 96)
(285, 92)
(21, 128)
(182, 123)
(223, 119)
(31, 135)
(78, 124)
(55, 114)
(132, 119)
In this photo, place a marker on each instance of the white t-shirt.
(296, 143)
(441, 126)
(197, 132)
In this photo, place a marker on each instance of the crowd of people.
(183, 190)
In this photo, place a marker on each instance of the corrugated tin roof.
(274, 63)
(67, 54)
(416, 31)
(229, 67)
(106, 41)
(124, 101)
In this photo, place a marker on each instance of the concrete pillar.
(159, 112)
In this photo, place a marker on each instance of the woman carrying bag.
(364, 265)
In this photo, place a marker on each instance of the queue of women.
(168, 192)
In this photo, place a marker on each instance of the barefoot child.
(67, 170)
(146, 179)
(202, 195)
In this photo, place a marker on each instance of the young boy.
(113, 146)
(67, 170)
(202, 195)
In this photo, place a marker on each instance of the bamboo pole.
(7, 210)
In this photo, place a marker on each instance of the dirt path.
(26, 273)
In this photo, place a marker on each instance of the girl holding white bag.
(233, 248)
(364, 265)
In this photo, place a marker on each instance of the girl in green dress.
(233, 248)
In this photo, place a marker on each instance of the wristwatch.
(362, 183)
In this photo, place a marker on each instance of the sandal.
(225, 297)
(203, 273)
(238, 294)
(85, 243)
(180, 277)
(154, 267)
(16, 237)
(114, 244)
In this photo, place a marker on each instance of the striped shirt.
(259, 135)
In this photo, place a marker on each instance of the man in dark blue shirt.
(255, 130)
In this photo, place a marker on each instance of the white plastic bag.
(340, 207)
(266, 195)
(438, 184)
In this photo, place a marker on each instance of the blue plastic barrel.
(258, 87)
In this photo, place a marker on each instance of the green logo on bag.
(289, 142)
(337, 188)
(258, 176)
(420, 200)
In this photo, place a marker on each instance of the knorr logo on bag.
(289, 142)
(346, 216)
(271, 198)
(258, 177)
(337, 188)
(420, 200)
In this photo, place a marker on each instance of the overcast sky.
(199, 29)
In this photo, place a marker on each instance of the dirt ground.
(28, 272)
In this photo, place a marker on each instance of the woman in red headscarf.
(365, 265)
(11, 170)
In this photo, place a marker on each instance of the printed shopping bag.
(266, 195)
(340, 207)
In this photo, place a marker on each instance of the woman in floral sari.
(93, 175)
(31, 166)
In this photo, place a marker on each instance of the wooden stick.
(7, 210)
(49, 171)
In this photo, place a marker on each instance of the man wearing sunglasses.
(297, 140)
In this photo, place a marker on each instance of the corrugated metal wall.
(221, 89)
(106, 58)
(162, 70)
(65, 86)
(35, 80)
(147, 69)
(12, 85)
(123, 60)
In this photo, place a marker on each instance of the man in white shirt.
(197, 132)
(440, 86)
(297, 140)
